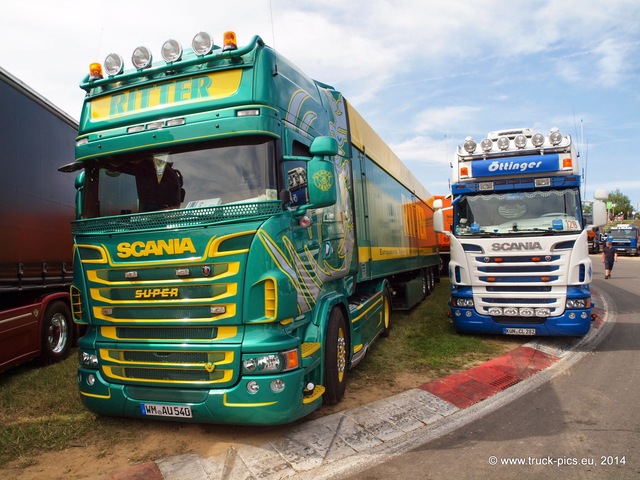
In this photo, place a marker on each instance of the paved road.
(583, 423)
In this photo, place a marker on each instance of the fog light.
(511, 311)
(91, 379)
(527, 312)
(543, 312)
(495, 311)
(252, 387)
(277, 385)
(572, 315)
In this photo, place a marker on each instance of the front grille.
(519, 320)
(168, 333)
(166, 374)
(185, 218)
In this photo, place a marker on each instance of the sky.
(425, 74)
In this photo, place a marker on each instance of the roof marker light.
(229, 41)
(171, 51)
(141, 58)
(113, 64)
(202, 43)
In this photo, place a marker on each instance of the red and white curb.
(341, 443)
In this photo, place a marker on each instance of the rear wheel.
(335, 359)
(426, 284)
(57, 336)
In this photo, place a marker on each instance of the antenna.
(273, 36)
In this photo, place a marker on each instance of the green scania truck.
(242, 234)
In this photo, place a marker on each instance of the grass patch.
(40, 408)
(423, 341)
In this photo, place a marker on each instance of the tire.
(431, 275)
(57, 333)
(386, 312)
(426, 283)
(335, 358)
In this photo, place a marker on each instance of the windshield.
(548, 211)
(623, 233)
(214, 174)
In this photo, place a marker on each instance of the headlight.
(270, 363)
(577, 303)
(486, 145)
(555, 137)
(202, 43)
(113, 64)
(171, 51)
(537, 140)
(469, 145)
(462, 302)
(141, 58)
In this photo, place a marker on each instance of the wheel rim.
(57, 334)
(341, 354)
(387, 312)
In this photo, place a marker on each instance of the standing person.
(609, 257)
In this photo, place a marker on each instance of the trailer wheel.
(56, 333)
(426, 283)
(335, 359)
(386, 312)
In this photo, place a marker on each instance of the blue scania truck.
(519, 261)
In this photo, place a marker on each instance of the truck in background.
(243, 234)
(519, 261)
(624, 238)
(37, 208)
(444, 244)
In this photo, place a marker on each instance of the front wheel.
(386, 312)
(335, 359)
(57, 328)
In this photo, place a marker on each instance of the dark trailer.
(37, 206)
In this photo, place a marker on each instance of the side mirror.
(79, 184)
(321, 175)
(438, 220)
(599, 210)
(321, 186)
(437, 204)
(324, 147)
